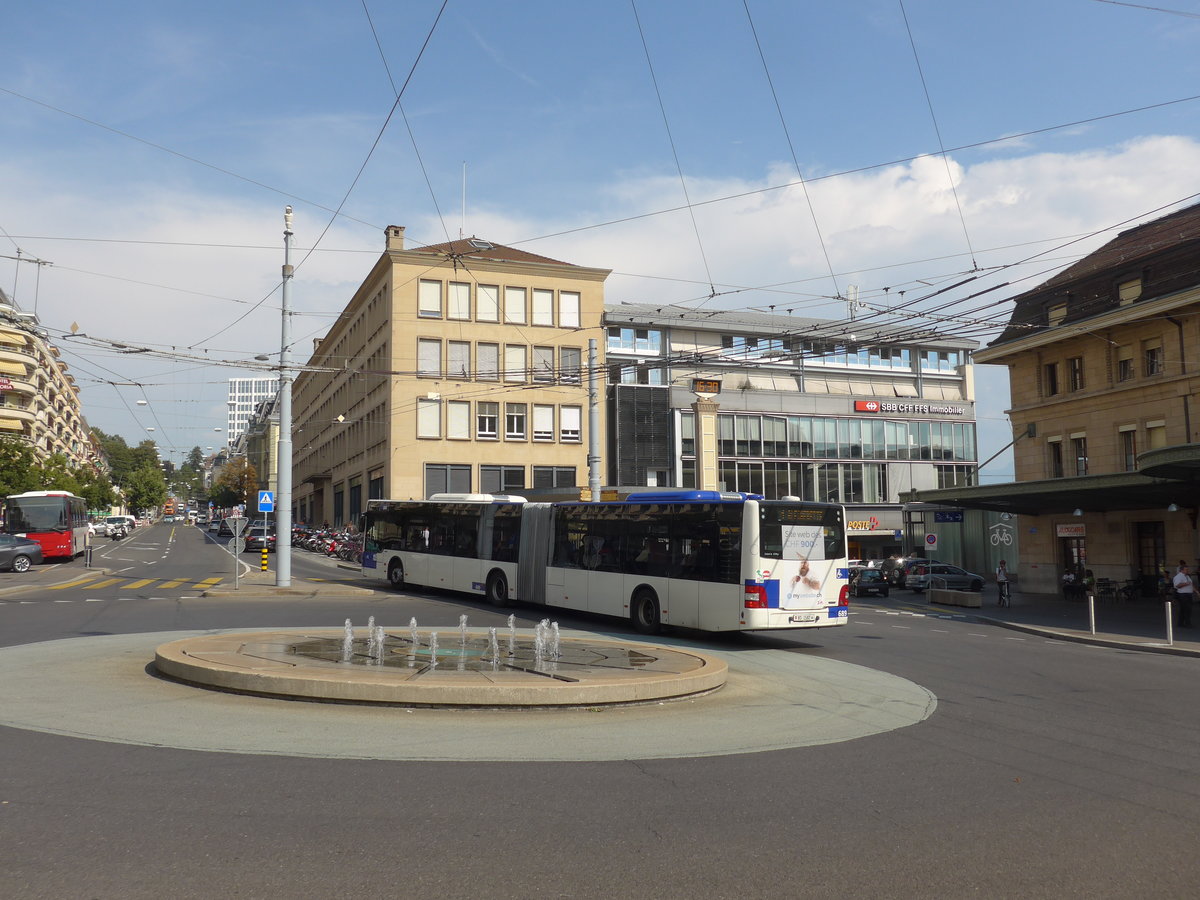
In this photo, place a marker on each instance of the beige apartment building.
(1104, 361)
(454, 367)
(39, 398)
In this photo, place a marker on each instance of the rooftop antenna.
(462, 228)
(852, 299)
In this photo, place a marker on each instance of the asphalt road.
(1048, 769)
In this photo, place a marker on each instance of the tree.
(17, 467)
(95, 489)
(237, 481)
(145, 488)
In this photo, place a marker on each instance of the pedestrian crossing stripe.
(92, 582)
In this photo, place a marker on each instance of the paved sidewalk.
(1136, 625)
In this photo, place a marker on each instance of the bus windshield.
(35, 514)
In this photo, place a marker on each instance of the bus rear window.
(793, 531)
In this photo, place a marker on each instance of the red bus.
(55, 519)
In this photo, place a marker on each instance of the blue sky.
(150, 149)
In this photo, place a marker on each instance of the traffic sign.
(931, 541)
(266, 501)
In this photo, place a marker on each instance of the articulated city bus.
(55, 519)
(697, 559)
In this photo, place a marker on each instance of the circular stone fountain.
(469, 669)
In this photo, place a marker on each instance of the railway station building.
(1104, 375)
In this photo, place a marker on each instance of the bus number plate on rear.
(803, 617)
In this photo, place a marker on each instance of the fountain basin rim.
(258, 663)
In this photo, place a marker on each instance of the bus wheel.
(396, 574)
(643, 612)
(497, 589)
(21, 563)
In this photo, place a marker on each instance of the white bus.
(697, 559)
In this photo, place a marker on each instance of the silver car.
(941, 575)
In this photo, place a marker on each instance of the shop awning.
(12, 368)
(12, 424)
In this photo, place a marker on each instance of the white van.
(128, 521)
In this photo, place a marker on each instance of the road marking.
(94, 600)
(905, 627)
(106, 583)
(939, 630)
(172, 584)
(80, 582)
(138, 584)
(64, 601)
(976, 634)
(209, 582)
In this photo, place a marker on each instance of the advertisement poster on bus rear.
(803, 570)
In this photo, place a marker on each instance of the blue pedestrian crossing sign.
(266, 501)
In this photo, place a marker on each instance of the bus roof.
(691, 497)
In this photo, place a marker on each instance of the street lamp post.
(283, 455)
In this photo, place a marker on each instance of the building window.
(487, 302)
(487, 420)
(501, 479)
(1079, 451)
(955, 476)
(1129, 447)
(1050, 379)
(515, 366)
(429, 299)
(1129, 291)
(514, 421)
(568, 309)
(1152, 357)
(514, 306)
(570, 424)
(570, 364)
(543, 422)
(460, 300)
(429, 418)
(445, 479)
(543, 307)
(458, 359)
(543, 363)
(1055, 313)
(1156, 435)
(1125, 368)
(1075, 372)
(487, 362)
(1055, 461)
(553, 476)
(429, 358)
(458, 420)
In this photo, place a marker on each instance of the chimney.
(395, 237)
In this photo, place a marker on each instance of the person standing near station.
(1185, 589)
(1005, 586)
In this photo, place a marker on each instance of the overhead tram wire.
(411, 137)
(792, 149)
(358, 175)
(938, 131)
(671, 139)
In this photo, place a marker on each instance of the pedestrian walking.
(1003, 583)
(1185, 589)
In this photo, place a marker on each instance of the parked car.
(868, 582)
(942, 576)
(259, 537)
(18, 554)
(905, 564)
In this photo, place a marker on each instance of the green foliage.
(17, 467)
(238, 479)
(145, 488)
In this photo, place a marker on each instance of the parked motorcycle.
(116, 532)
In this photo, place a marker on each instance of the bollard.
(1092, 611)
(1170, 634)
(264, 559)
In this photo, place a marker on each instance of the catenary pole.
(283, 454)
(593, 425)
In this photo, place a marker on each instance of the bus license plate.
(803, 617)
